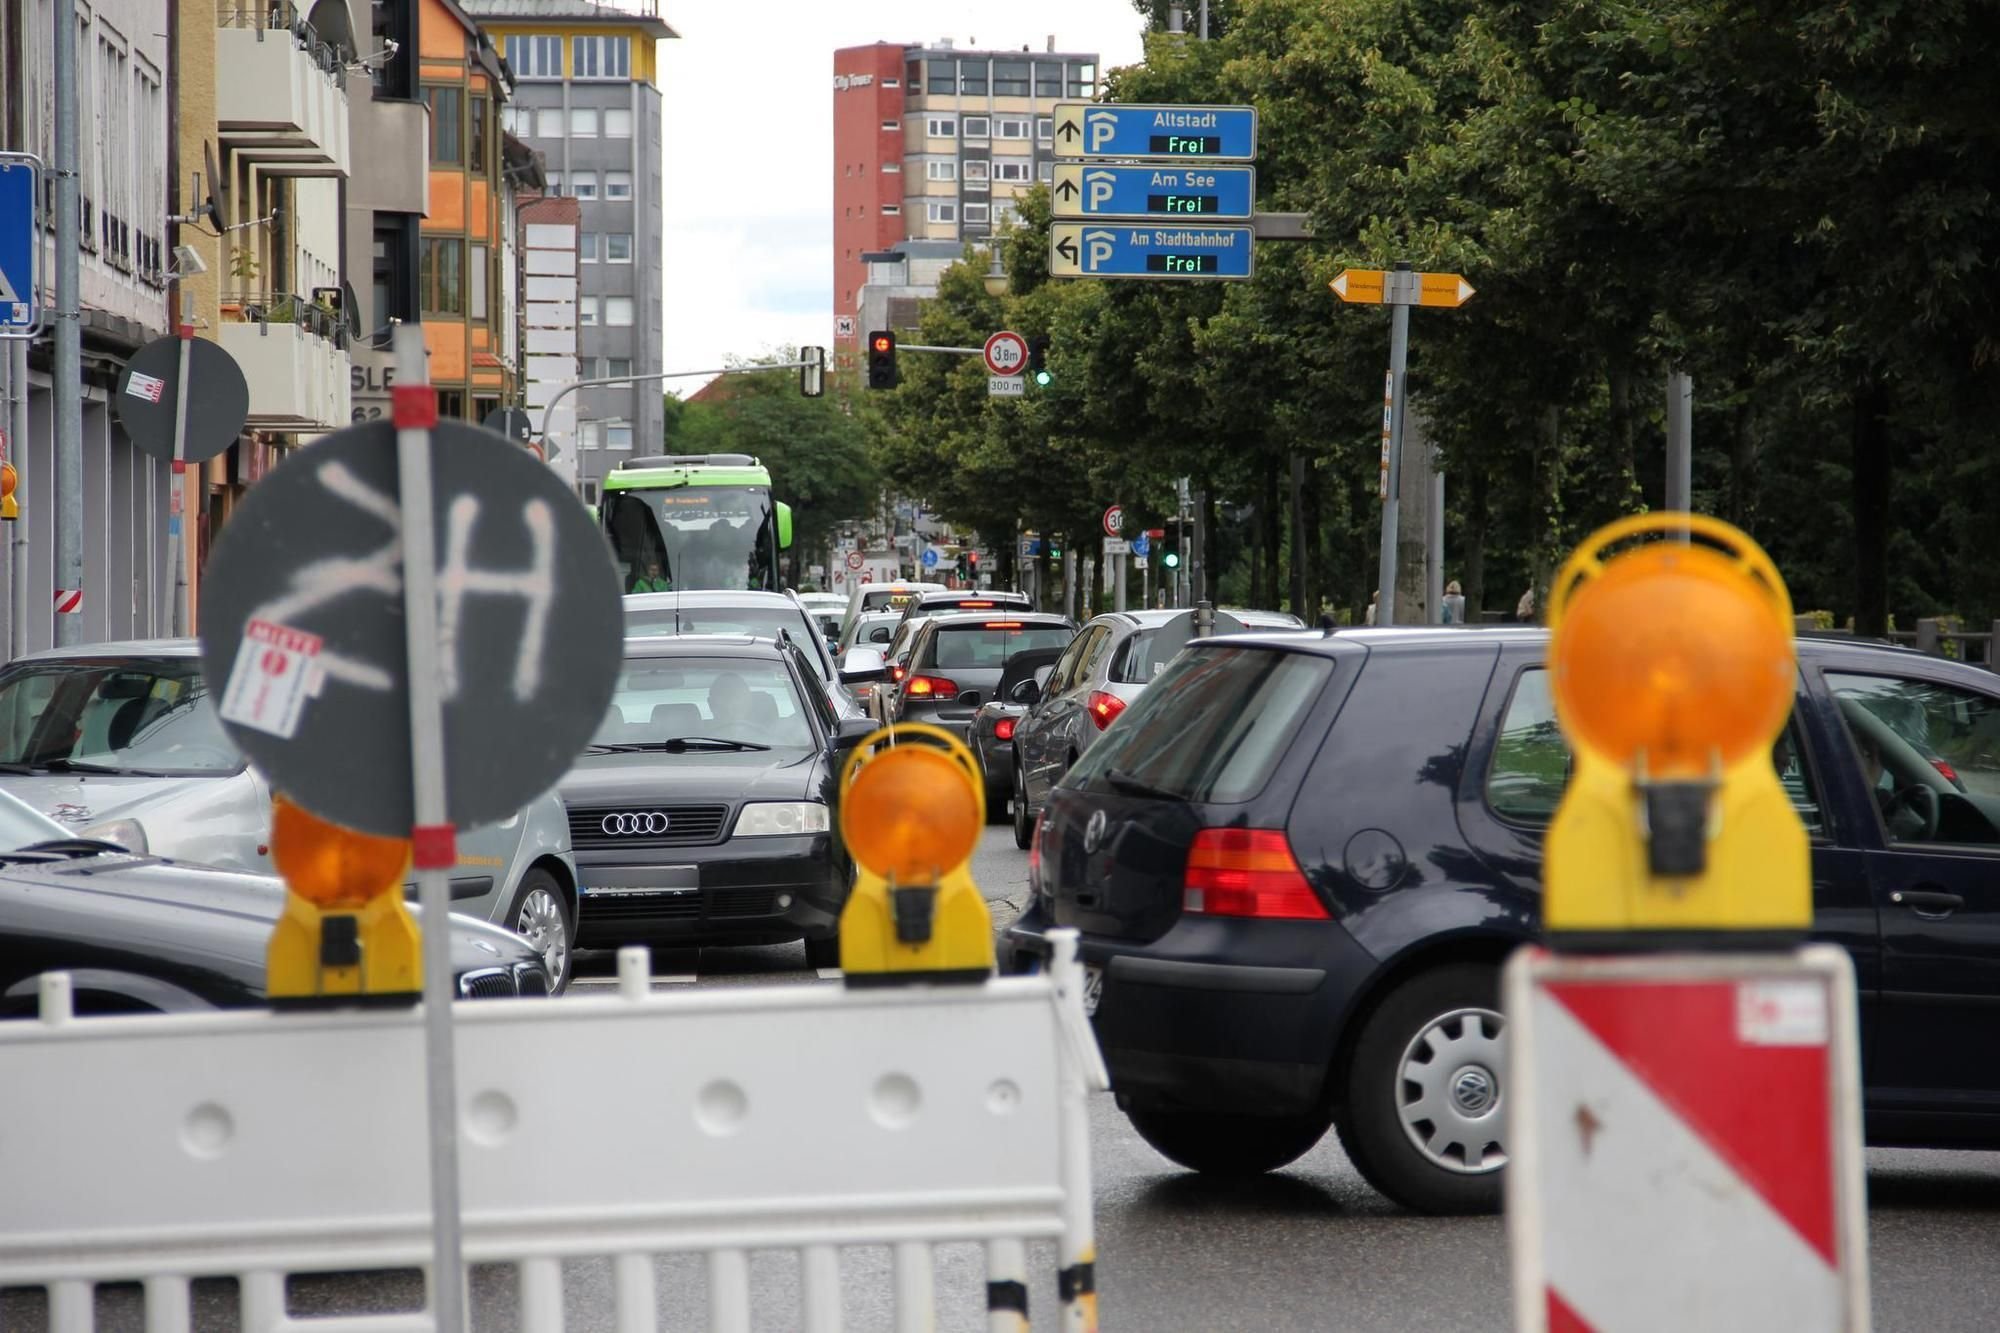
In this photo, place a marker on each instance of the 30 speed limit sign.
(1006, 353)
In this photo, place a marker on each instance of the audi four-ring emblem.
(634, 823)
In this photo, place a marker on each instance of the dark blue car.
(1299, 861)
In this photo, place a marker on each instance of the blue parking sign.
(20, 248)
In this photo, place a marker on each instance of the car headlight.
(127, 833)
(770, 819)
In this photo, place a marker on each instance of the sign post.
(1684, 1134)
(20, 249)
(1399, 289)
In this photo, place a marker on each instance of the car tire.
(1434, 1045)
(540, 914)
(1024, 815)
(996, 804)
(1223, 1144)
(823, 952)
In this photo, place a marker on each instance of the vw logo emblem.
(633, 824)
(1093, 832)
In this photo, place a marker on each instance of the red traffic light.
(883, 342)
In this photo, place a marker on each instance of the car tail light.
(1001, 624)
(1248, 872)
(1950, 773)
(1034, 856)
(897, 673)
(1003, 730)
(976, 606)
(930, 687)
(1103, 708)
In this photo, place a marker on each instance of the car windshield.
(714, 698)
(149, 716)
(1212, 727)
(988, 646)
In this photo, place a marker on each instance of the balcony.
(391, 140)
(281, 99)
(294, 354)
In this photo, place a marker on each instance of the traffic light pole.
(1396, 409)
(614, 380)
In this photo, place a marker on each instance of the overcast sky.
(748, 93)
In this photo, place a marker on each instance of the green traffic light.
(1044, 379)
(1171, 560)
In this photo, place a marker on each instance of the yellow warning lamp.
(10, 508)
(912, 807)
(1672, 670)
(345, 931)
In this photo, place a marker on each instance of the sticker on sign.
(275, 673)
(1781, 1013)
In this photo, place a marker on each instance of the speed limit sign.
(1114, 521)
(1006, 353)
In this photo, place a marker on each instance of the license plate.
(1093, 989)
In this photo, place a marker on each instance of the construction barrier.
(804, 1118)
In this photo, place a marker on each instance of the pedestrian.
(1524, 610)
(651, 577)
(1453, 610)
(1369, 617)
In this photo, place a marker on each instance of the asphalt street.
(1310, 1248)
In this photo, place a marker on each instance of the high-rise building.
(933, 143)
(587, 98)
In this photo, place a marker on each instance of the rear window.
(1142, 657)
(1213, 726)
(987, 647)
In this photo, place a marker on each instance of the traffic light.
(1172, 559)
(1038, 357)
(882, 360)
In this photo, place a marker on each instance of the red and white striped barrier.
(1686, 1143)
(68, 601)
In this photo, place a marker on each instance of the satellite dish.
(217, 190)
(350, 306)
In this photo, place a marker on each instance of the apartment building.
(548, 247)
(587, 98)
(934, 143)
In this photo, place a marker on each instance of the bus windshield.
(672, 539)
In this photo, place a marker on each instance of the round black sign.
(218, 398)
(511, 422)
(305, 584)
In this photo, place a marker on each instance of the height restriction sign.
(1006, 353)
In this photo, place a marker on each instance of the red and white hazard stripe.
(69, 601)
(1686, 1147)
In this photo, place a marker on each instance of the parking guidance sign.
(20, 248)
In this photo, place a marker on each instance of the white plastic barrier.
(802, 1117)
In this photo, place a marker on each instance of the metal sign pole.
(414, 408)
(18, 432)
(180, 620)
(1399, 355)
(66, 387)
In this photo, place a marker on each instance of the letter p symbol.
(1099, 127)
(1097, 248)
(1099, 185)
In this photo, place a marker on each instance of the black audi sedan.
(139, 934)
(702, 812)
(1299, 861)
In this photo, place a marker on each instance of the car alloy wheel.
(1024, 815)
(1450, 1095)
(540, 919)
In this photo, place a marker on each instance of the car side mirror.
(854, 730)
(864, 675)
(1025, 692)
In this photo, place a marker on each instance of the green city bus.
(684, 521)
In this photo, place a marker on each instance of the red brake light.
(930, 687)
(1950, 773)
(1248, 872)
(1003, 730)
(1001, 624)
(897, 673)
(1103, 708)
(976, 606)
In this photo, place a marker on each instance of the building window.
(892, 209)
(477, 274)
(589, 436)
(1004, 213)
(892, 167)
(1046, 171)
(1010, 78)
(451, 404)
(941, 211)
(976, 169)
(941, 171)
(618, 247)
(1048, 78)
(618, 435)
(535, 57)
(586, 311)
(1011, 171)
(975, 212)
(978, 127)
(618, 122)
(889, 125)
(617, 367)
(892, 83)
(583, 122)
(617, 312)
(617, 185)
(476, 126)
(600, 57)
(972, 77)
(555, 179)
(1045, 128)
(447, 134)
(583, 184)
(394, 297)
(1083, 80)
(586, 246)
(941, 127)
(941, 76)
(1012, 127)
(441, 275)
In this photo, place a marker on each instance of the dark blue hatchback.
(1298, 862)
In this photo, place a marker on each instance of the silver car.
(120, 742)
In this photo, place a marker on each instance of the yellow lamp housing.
(912, 806)
(345, 935)
(1672, 669)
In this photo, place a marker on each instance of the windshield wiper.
(680, 743)
(85, 766)
(1134, 786)
(16, 769)
(64, 849)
